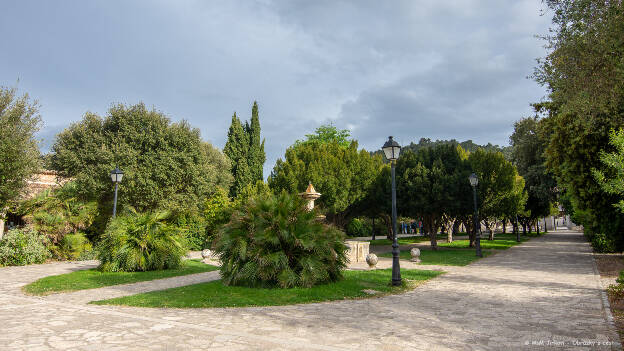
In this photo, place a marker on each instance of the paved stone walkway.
(545, 291)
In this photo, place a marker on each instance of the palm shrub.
(58, 212)
(141, 242)
(273, 241)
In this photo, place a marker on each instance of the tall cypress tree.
(256, 157)
(237, 150)
(245, 151)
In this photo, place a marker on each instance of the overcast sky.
(412, 69)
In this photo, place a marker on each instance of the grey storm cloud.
(437, 69)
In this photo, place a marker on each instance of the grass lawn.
(442, 256)
(92, 278)
(500, 242)
(215, 294)
(406, 240)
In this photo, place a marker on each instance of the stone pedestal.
(358, 250)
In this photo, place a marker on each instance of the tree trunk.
(524, 228)
(373, 234)
(432, 234)
(454, 229)
(504, 225)
(488, 226)
(2, 214)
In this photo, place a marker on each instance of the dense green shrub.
(141, 242)
(217, 212)
(20, 247)
(193, 228)
(75, 246)
(272, 240)
(359, 227)
(601, 243)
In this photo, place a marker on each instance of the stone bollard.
(372, 260)
(415, 252)
(207, 256)
(206, 253)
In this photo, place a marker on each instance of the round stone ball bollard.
(415, 252)
(206, 253)
(372, 260)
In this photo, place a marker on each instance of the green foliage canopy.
(584, 74)
(246, 152)
(432, 183)
(612, 178)
(498, 183)
(342, 175)
(19, 150)
(166, 165)
(528, 148)
(328, 133)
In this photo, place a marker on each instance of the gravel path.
(542, 294)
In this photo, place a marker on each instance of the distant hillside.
(468, 145)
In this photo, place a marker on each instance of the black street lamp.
(116, 175)
(392, 149)
(474, 181)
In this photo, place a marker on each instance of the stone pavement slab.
(542, 294)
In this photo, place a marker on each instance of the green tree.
(19, 150)
(166, 165)
(612, 177)
(245, 151)
(328, 133)
(237, 150)
(342, 175)
(584, 74)
(432, 185)
(528, 148)
(257, 157)
(498, 184)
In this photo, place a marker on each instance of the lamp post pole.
(396, 268)
(115, 201)
(392, 149)
(116, 176)
(476, 223)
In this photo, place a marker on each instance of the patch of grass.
(215, 294)
(500, 242)
(406, 240)
(92, 278)
(442, 256)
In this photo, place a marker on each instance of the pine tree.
(256, 157)
(237, 150)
